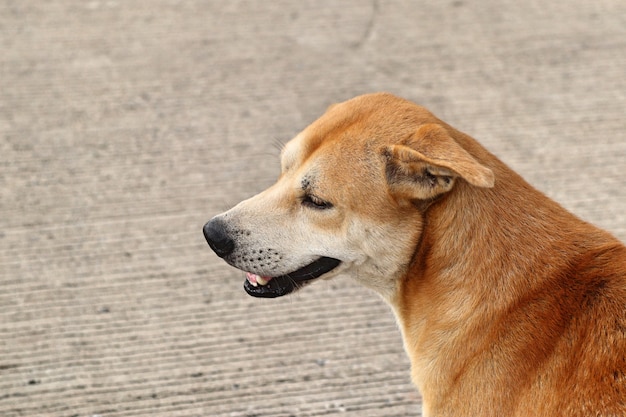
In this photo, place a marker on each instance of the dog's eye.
(315, 202)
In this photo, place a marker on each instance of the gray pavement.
(124, 126)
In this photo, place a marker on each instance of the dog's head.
(351, 197)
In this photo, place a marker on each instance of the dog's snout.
(216, 234)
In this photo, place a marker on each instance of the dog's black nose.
(216, 235)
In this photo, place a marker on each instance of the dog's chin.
(285, 284)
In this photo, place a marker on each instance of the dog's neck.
(477, 261)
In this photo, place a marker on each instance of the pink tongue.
(252, 278)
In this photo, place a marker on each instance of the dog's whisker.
(278, 145)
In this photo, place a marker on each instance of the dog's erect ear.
(428, 163)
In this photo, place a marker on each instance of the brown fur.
(513, 306)
(508, 304)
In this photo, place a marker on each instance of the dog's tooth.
(252, 279)
(261, 280)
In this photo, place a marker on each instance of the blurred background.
(126, 125)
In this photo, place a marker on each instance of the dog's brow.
(285, 160)
(289, 154)
(306, 183)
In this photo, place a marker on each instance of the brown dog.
(508, 304)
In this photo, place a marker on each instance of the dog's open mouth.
(272, 287)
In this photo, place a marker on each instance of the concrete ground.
(124, 126)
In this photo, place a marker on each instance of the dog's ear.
(429, 162)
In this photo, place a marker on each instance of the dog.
(508, 304)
